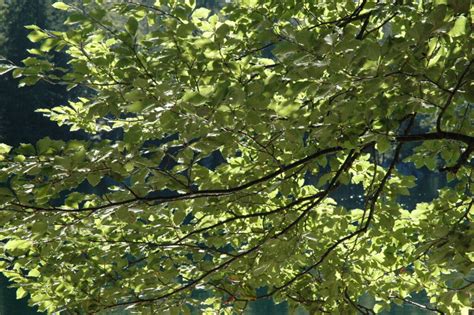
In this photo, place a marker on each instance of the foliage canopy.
(219, 144)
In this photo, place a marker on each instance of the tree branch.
(451, 96)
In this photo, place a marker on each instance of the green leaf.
(36, 36)
(60, 6)
(48, 146)
(124, 214)
(135, 107)
(178, 217)
(430, 162)
(383, 145)
(201, 13)
(132, 25)
(94, 178)
(19, 158)
(459, 27)
(17, 73)
(18, 246)
(194, 98)
(20, 293)
(4, 148)
(35, 273)
(378, 308)
(39, 227)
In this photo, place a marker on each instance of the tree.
(239, 129)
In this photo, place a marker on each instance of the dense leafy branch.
(265, 146)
